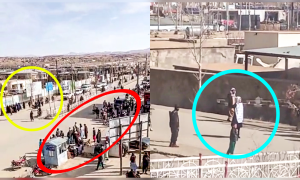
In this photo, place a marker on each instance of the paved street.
(215, 130)
(18, 142)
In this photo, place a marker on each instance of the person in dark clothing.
(146, 160)
(62, 134)
(94, 134)
(233, 139)
(97, 111)
(231, 103)
(130, 174)
(57, 132)
(86, 132)
(174, 125)
(68, 107)
(69, 135)
(31, 116)
(23, 105)
(100, 159)
(98, 136)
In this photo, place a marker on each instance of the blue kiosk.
(56, 151)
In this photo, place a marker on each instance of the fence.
(273, 169)
(158, 164)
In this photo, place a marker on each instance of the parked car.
(86, 87)
(119, 102)
(78, 91)
(99, 85)
(15, 91)
(67, 95)
(104, 86)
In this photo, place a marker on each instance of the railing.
(274, 169)
(218, 160)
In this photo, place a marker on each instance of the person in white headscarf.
(238, 117)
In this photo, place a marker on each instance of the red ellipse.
(39, 154)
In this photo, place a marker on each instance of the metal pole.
(227, 17)
(137, 79)
(297, 14)
(177, 15)
(146, 68)
(240, 25)
(249, 15)
(292, 20)
(120, 150)
(141, 146)
(158, 18)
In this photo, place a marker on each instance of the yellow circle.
(61, 96)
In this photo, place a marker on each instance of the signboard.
(34, 89)
(65, 85)
(49, 86)
(50, 147)
(133, 133)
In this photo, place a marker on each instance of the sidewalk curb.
(166, 153)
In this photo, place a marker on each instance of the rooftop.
(57, 141)
(218, 67)
(181, 45)
(22, 72)
(274, 32)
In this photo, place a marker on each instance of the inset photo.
(225, 93)
(75, 90)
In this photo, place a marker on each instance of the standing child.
(233, 139)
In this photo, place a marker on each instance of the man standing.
(231, 103)
(174, 125)
(99, 136)
(100, 159)
(31, 115)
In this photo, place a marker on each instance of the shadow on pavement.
(84, 171)
(213, 136)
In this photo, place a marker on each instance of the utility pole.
(137, 79)
(292, 18)
(146, 66)
(158, 17)
(240, 25)
(249, 15)
(177, 16)
(227, 17)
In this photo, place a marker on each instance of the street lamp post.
(137, 79)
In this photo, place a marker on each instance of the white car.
(67, 95)
(86, 87)
(78, 91)
(105, 87)
(99, 85)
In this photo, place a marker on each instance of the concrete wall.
(166, 58)
(257, 40)
(285, 40)
(170, 87)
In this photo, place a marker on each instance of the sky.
(50, 28)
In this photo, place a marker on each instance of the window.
(51, 153)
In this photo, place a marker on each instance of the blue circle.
(239, 71)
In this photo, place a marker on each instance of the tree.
(203, 33)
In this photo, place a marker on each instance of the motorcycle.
(36, 171)
(20, 163)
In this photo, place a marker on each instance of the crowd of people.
(80, 132)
